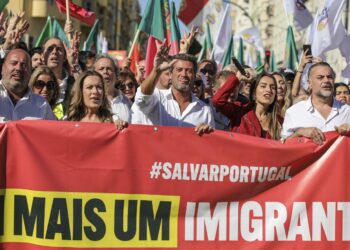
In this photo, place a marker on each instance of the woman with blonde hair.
(284, 96)
(89, 101)
(43, 82)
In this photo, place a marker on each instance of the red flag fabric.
(77, 12)
(150, 54)
(182, 191)
(189, 9)
(167, 22)
(135, 58)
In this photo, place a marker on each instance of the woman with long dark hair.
(260, 116)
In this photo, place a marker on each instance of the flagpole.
(67, 11)
(134, 42)
(68, 20)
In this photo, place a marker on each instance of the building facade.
(118, 18)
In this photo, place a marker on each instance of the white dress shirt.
(29, 107)
(63, 87)
(161, 108)
(121, 107)
(304, 115)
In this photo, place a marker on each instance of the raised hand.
(3, 25)
(161, 61)
(305, 59)
(12, 38)
(14, 20)
(126, 64)
(187, 39)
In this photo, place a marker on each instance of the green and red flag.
(207, 45)
(153, 24)
(175, 31)
(167, 18)
(135, 54)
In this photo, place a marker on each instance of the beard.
(183, 88)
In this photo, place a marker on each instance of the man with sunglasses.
(54, 54)
(207, 69)
(17, 101)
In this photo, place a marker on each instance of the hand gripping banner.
(70, 185)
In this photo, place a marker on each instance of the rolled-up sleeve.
(146, 103)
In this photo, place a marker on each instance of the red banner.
(69, 185)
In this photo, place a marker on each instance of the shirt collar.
(118, 97)
(169, 96)
(26, 96)
(336, 105)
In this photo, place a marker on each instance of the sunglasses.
(52, 47)
(39, 84)
(209, 71)
(198, 83)
(130, 85)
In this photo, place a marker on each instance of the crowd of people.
(58, 82)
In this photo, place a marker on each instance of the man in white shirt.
(120, 104)
(176, 106)
(321, 112)
(17, 101)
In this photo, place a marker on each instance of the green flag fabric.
(91, 40)
(57, 31)
(207, 45)
(227, 59)
(203, 53)
(260, 69)
(3, 3)
(45, 33)
(152, 21)
(272, 63)
(258, 59)
(174, 24)
(208, 37)
(291, 57)
(240, 54)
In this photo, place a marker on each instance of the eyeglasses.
(39, 84)
(209, 71)
(198, 83)
(129, 85)
(52, 47)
